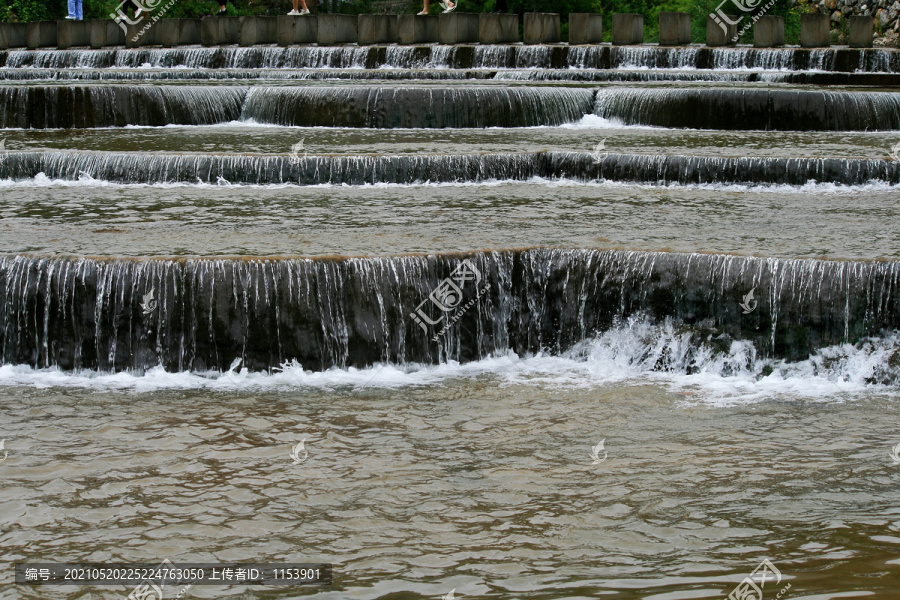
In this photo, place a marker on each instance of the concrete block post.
(131, 34)
(458, 28)
(154, 35)
(627, 29)
(209, 31)
(585, 28)
(297, 30)
(284, 29)
(495, 28)
(258, 30)
(189, 32)
(336, 29)
(73, 33)
(861, 31)
(541, 28)
(13, 35)
(229, 30)
(674, 28)
(97, 32)
(41, 34)
(115, 35)
(18, 35)
(815, 30)
(169, 33)
(416, 29)
(378, 29)
(768, 32)
(306, 30)
(721, 33)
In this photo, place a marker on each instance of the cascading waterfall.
(464, 57)
(494, 57)
(117, 106)
(500, 74)
(239, 74)
(58, 106)
(471, 106)
(201, 314)
(261, 170)
(381, 107)
(612, 76)
(751, 108)
(630, 57)
(409, 169)
(338, 57)
(773, 59)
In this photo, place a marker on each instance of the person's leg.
(80, 14)
(305, 8)
(425, 8)
(71, 7)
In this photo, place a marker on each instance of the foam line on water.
(814, 188)
(635, 353)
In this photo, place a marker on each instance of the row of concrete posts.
(452, 28)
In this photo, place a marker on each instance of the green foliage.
(31, 10)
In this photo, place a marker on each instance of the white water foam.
(810, 188)
(635, 353)
(592, 121)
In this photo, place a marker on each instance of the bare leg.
(425, 8)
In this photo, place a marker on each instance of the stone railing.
(453, 28)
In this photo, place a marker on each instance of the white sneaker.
(70, 18)
(305, 11)
(293, 13)
(449, 8)
(424, 12)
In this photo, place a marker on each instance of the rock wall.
(886, 13)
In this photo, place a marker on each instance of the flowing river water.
(453, 272)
